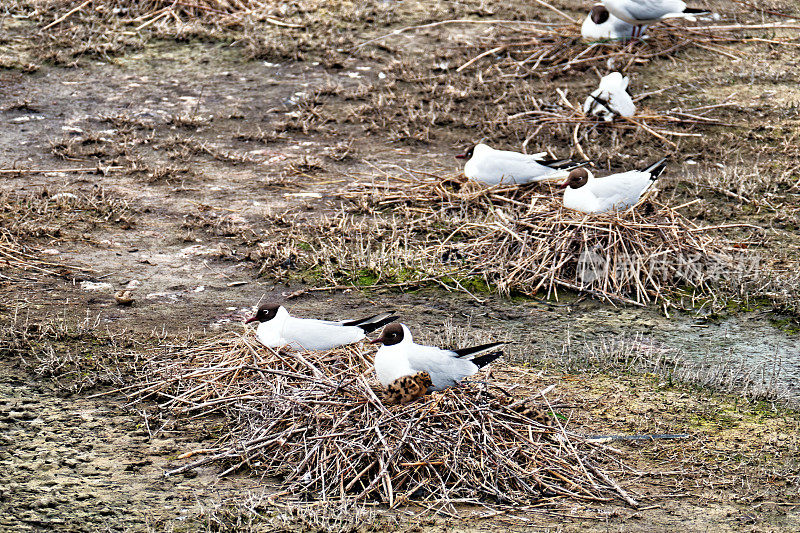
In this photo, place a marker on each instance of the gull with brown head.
(278, 329)
(602, 25)
(642, 12)
(400, 356)
(617, 192)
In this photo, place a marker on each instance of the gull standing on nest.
(583, 192)
(490, 166)
(278, 329)
(400, 356)
(642, 12)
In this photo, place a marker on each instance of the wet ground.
(71, 463)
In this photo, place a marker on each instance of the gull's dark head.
(599, 14)
(468, 154)
(577, 178)
(265, 313)
(391, 335)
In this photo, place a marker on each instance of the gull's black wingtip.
(483, 360)
(656, 169)
(463, 352)
(372, 326)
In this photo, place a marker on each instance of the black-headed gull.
(641, 12)
(279, 329)
(584, 192)
(610, 98)
(407, 388)
(600, 24)
(399, 357)
(490, 166)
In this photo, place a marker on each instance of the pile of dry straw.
(518, 240)
(315, 420)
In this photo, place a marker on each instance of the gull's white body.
(491, 166)
(615, 192)
(305, 333)
(613, 93)
(406, 359)
(613, 29)
(640, 12)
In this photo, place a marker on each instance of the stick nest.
(314, 419)
(515, 240)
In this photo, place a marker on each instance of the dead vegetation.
(103, 147)
(50, 218)
(516, 240)
(513, 82)
(257, 511)
(638, 356)
(15, 257)
(164, 173)
(71, 352)
(455, 94)
(59, 215)
(530, 72)
(315, 420)
(104, 29)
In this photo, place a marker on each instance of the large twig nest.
(315, 419)
(518, 240)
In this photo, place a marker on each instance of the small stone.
(123, 298)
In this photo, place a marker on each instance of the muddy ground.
(190, 149)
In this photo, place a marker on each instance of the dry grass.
(75, 354)
(103, 29)
(315, 420)
(104, 147)
(537, 51)
(51, 215)
(15, 257)
(504, 83)
(513, 240)
(42, 216)
(258, 512)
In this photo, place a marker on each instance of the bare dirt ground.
(193, 151)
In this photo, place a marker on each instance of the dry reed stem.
(547, 50)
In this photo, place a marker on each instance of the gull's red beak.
(251, 319)
(564, 185)
(376, 341)
(461, 156)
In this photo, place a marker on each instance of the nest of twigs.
(315, 420)
(522, 240)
